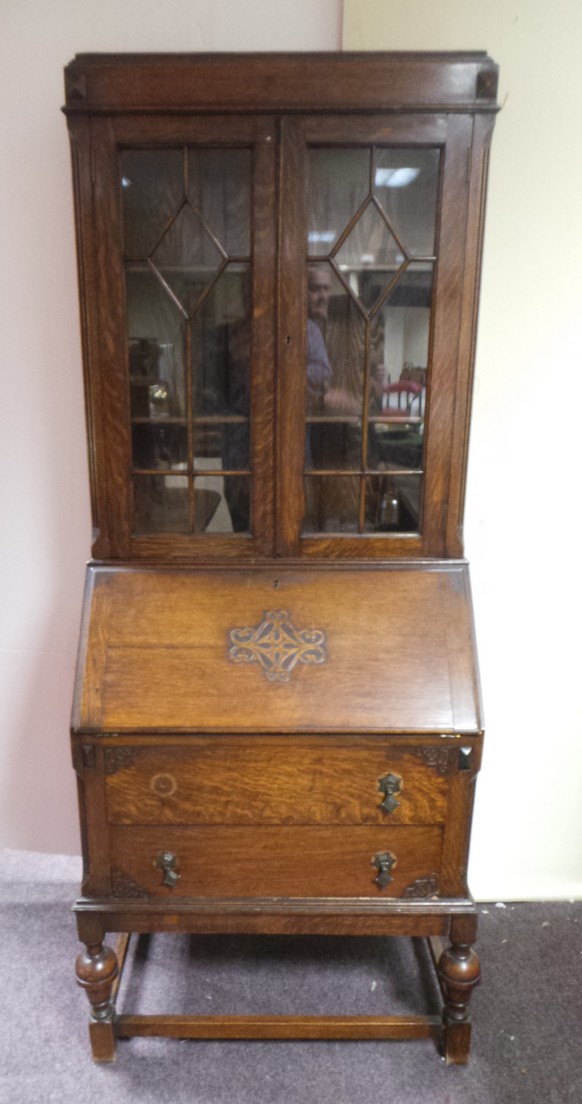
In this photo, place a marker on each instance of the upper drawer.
(225, 782)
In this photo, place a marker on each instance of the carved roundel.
(164, 785)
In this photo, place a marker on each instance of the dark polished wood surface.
(258, 82)
(277, 731)
(454, 96)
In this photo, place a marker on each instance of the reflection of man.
(336, 400)
(318, 366)
(318, 292)
(336, 353)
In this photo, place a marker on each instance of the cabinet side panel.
(479, 161)
(82, 164)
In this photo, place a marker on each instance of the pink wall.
(45, 498)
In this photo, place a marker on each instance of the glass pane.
(161, 504)
(226, 444)
(335, 372)
(152, 188)
(393, 503)
(222, 504)
(406, 185)
(332, 504)
(395, 445)
(219, 187)
(339, 181)
(159, 445)
(413, 287)
(406, 318)
(396, 434)
(372, 226)
(370, 250)
(187, 258)
(221, 346)
(186, 212)
(156, 347)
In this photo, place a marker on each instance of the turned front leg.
(97, 970)
(459, 971)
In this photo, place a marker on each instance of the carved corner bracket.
(117, 758)
(423, 888)
(441, 760)
(124, 886)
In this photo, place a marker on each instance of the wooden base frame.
(450, 939)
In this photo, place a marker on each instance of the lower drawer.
(275, 862)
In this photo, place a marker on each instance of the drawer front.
(275, 862)
(236, 784)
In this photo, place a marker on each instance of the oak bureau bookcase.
(277, 725)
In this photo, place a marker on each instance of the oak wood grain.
(275, 861)
(226, 783)
(129, 1025)
(157, 651)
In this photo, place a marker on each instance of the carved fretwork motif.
(440, 759)
(124, 886)
(116, 758)
(276, 645)
(423, 888)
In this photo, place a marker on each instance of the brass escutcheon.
(384, 862)
(389, 785)
(167, 863)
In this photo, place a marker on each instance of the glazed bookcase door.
(184, 245)
(373, 216)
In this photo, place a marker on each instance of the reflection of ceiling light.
(321, 235)
(125, 182)
(395, 178)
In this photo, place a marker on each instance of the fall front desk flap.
(260, 649)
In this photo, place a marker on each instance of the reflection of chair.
(400, 398)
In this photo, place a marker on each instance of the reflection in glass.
(339, 181)
(222, 504)
(338, 341)
(158, 444)
(152, 190)
(332, 504)
(155, 348)
(406, 185)
(219, 187)
(187, 239)
(161, 504)
(187, 258)
(393, 503)
(370, 248)
(225, 443)
(334, 397)
(221, 346)
(369, 300)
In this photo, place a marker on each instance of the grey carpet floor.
(527, 1015)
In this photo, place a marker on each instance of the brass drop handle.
(384, 862)
(389, 785)
(167, 862)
